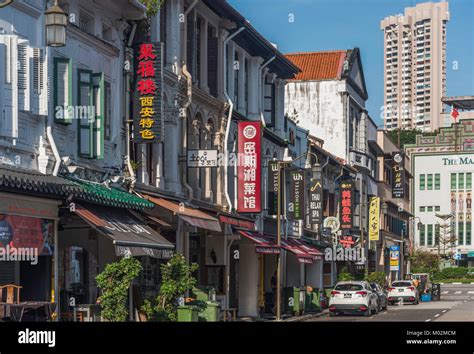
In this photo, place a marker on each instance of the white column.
(171, 146)
(230, 70)
(241, 74)
(254, 76)
(221, 66)
(249, 277)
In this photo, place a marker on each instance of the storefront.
(27, 242)
(92, 236)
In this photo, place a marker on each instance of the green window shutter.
(62, 90)
(437, 208)
(422, 182)
(437, 233)
(98, 125)
(469, 180)
(461, 233)
(429, 209)
(422, 235)
(461, 181)
(430, 234)
(468, 233)
(84, 102)
(437, 181)
(429, 181)
(422, 209)
(453, 181)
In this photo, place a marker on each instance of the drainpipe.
(229, 119)
(49, 133)
(189, 88)
(127, 108)
(260, 76)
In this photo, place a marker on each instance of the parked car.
(405, 290)
(381, 294)
(353, 297)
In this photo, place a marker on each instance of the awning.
(308, 248)
(238, 222)
(130, 236)
(294, 247)
(192, 216)
(263, 244)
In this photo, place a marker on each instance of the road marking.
(470, 292)
(441, 283)
(445, 292)
(437, 315)
(444, 311)
(456, 283)
(472, 282)
(428, 320)
(458, 292)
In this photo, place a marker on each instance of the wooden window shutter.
(99, 106)
(84, 101)
(9, 86)
(62, 95)
(213, 62)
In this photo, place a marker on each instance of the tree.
(407, 136)
(115, 281)
(176, 280)
(424, 262)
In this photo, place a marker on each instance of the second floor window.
(269, 101)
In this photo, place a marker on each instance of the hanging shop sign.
(202, 158)
(315, 202)
(347, 241)
(394, 257)
(398, 183)
(249, 168)
(332, 223)
(296, 205)
(273, 169)
(374, 219)
(147, 100)
(346, 204)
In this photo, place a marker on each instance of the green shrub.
(344, 275)
(377, 277)
(452, 273)
(115, 281)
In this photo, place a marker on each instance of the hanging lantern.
(56, 22)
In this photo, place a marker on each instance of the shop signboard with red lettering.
(346, 204)
(249, 168)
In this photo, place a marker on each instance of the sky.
(342, 24)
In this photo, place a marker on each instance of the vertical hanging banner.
(398, 183)
(346, 204)
(374, 219)
(296, 205)
(249, 168)
(147, 98)
(273, 188)
(315, 202)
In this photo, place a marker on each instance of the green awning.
(100, 194)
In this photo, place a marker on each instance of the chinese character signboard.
(296, 205)
(202, 158)
(346, 203)
(394, 257)
(147, 98)
(398, 184)
(273, 188)
(315, 202)
(374, 219)
(249, 168)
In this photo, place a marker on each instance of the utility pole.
(278, 295)
(364, 240)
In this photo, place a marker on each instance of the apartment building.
(415, 66)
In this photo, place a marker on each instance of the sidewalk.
(286, 318)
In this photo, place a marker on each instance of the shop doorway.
(32, 289)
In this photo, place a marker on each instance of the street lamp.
(56, 22)
(281, 166)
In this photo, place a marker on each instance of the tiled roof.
(319, 65)
(20, 180)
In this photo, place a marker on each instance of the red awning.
(238, 222)
(308, 248)
(294, 247)
(263, 244)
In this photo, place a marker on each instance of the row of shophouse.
(85, 193)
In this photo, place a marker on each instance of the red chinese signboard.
(249, 168)
(346, 204)
(148, 92)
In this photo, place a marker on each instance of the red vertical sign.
(249, 168)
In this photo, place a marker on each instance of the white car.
(353, 296)
(403, 290)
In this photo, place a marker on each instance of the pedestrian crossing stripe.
(470, 292)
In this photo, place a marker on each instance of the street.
(456, 304)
